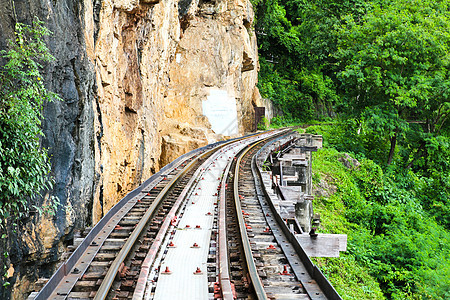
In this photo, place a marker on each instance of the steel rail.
(256, 280)
(323, 283)
(224, 274)
(122, 255)
(107, 282)
(64, 270)
(149, 259)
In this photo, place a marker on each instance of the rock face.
(155, 63)
(133, 75)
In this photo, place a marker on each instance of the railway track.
(84, 275)
(201, 229)
(275, 270)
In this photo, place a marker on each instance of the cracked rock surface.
(133, 75)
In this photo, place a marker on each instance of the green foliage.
(263, 124)
(392, 219)
(283, 92)
(394, 68)
(397, 57)
(345, 274)
(434, 195)
(383, 68)
(283, 121)
(381, 64)
(295, 41)
(24, 164)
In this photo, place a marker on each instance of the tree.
(295, 39)
(395, 68)
(24, 165)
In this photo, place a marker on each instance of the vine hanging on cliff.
(24, 165)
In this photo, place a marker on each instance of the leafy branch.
(24, 165)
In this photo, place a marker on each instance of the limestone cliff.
(155, 64)
(134, 76)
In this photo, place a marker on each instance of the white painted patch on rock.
(220, 109)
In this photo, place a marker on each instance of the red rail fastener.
(208, 213)
(215, 194)
(198, 271)
(118, 227)
(121, 269)
(248, 226)
(123, 272)
(272, 247)
(167, 271)
(195, 245)
(188, 226)
(285, 271)
(267, 229)
(217, 291)
(171, 244)
(245, 214)
(197, 227)
(267, 215)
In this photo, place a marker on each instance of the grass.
(350, 279)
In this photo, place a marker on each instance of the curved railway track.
(246, 252)
(275, 269)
